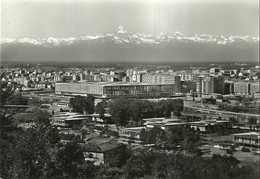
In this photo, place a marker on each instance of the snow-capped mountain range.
(122, 36)
(165, 47)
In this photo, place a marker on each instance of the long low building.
(133, 132)
(163, 123)
(69, 119)
(251, 139)
(73, 119)
(110, 89)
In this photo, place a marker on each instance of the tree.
(6, 91)
(123, 109)
(78, 104)
(81, 104)
(35, 102)
(90, 105)
(32, 150)
(175, 136)
(70, 157)
(6, 122)
(158, 164)
(24, 118)
(36, 152)
(120, 112)
(152, 135)
(109, 172)
(17, 99)
(139, 164)
(121, 74)
(7, 126)
(166, 107)
(252, 121)
(100, 110)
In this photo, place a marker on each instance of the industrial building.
(111, 89)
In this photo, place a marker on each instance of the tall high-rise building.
(89, 78)
(129, 72)
(199, 84)
(254, 88)
(112, 72)
(87, 72)
(56, 78)
(208, 85)
(187, 76)
(177, 84)
(82, 76)
(188, 86)
(242, 87)
(42, 78)
(228, 87)
(74, 77)
(139, 78)
(214, 70)
(219, 84)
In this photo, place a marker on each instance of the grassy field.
(246, 158)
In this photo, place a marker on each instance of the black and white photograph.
(129, 89)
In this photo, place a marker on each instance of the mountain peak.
(121, 30)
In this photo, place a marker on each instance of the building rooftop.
(161, 120)
(98, 115)
(159, 74)
(70, 116)
(114, 84)
(175, 123)
(252, 135)
(134, 129)
(101, 145)
(154, 119)
(242, 82)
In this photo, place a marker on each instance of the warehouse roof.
(113, 84)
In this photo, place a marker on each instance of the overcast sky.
(66, 18)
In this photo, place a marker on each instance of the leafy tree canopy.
(81, 104)
(123, 109)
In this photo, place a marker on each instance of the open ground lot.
(246, 158)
